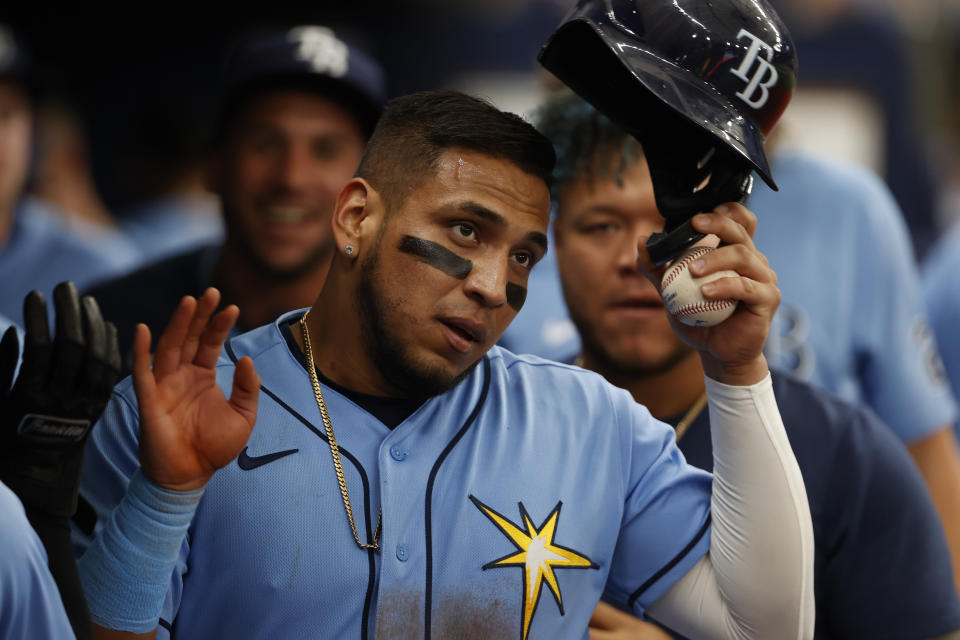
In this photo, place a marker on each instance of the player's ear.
(357, 216)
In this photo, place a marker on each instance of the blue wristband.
(126, 572)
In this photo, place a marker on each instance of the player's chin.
(436, 377)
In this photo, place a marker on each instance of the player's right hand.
(188, 428)
(732, 351)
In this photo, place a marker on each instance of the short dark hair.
(585, 141)
(414, 130)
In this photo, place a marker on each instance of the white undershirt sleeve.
(757, 579)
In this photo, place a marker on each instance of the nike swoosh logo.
(247, 463)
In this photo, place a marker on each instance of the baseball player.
(882, 565)
(297, 107)
(407, 478)
(37, 248)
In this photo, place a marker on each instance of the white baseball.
(682, 296)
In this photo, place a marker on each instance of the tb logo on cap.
(764, 76)
(321, 49)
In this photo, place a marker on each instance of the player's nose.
(294, 169)
(624, 252)
(487, 281)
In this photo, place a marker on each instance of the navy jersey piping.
(428, 523)
(368, 599)
(670, 565)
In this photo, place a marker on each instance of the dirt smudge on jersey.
(459, 616)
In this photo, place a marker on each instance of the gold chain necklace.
(687, 418)
(691, 415)
(334, 447)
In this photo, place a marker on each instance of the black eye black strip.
(437, 256)
(441, 258)
(516, 295)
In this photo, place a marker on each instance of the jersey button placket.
(398, 453)
(402, 553)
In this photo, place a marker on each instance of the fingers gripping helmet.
(699, 83)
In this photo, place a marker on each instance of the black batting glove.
(60, 392)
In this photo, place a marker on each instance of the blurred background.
(126, 99)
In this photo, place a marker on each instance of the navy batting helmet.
(700, 84)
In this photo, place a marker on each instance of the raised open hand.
(732, 351)
(188, 428)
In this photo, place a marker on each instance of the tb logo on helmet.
(758, 81)
(321, 49)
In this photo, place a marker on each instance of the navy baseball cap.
(308, 57)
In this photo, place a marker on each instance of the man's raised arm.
(757, 580)
(188, 430)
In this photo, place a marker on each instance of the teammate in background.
(37, 248)
(942, 296)
(297, 108)
(442, 436)
(881, 561)
(62, 384)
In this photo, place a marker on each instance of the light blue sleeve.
(942, 295)
(30, 605)
(898, 359)
(666, 524)
(111, 458)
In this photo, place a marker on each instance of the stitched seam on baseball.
(712, 305)
(677, 268)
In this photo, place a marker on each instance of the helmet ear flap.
(691, 180)
(691, 173)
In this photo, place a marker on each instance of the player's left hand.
(732, 351)
(61, 390)
(609, 623)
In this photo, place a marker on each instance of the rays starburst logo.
(537, 556)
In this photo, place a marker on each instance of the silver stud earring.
(348, 250)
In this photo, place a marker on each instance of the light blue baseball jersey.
(851, 319)
(42, 251)
(942, 293)
(30, 605)
(509, 503)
